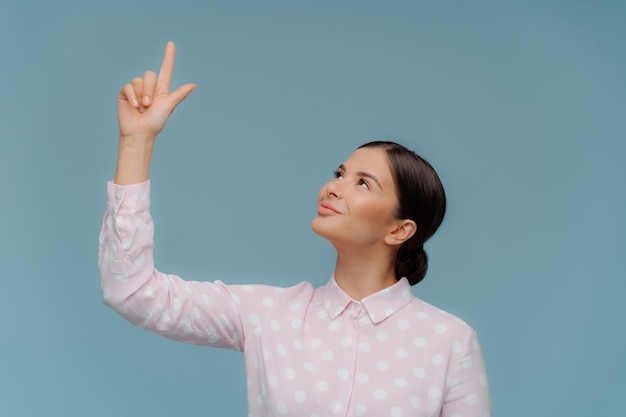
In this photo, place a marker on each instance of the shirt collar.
(378, 306)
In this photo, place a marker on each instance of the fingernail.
(146, 100)
(134, 102)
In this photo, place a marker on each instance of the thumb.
(181, 93)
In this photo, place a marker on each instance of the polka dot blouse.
(308, 352)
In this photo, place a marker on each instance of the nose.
(333, 189)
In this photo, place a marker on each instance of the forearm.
(133, 160)
(190, 311)
(130, 284)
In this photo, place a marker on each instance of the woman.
(362, 344)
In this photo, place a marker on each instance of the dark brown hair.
(421, 198)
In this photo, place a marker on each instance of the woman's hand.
(144, 106)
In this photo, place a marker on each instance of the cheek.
(374, 211)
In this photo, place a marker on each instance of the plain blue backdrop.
(520, 106)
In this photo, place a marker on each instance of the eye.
(364, 184)
(337, 174)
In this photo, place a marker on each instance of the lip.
(326, 209)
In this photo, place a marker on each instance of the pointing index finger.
(167, 68)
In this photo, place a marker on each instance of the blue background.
(520, 106)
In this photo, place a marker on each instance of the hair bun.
(412, 264)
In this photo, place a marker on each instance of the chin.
(331, 233)
(316, 227)
(321, 229)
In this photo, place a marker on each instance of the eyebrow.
(342, 167)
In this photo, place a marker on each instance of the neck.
(360, 274)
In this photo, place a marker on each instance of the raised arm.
(130, 284)
(144, 105)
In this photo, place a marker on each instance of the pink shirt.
(308, 352)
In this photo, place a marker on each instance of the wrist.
(133, 160)
(137, 141)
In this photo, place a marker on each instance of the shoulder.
(437, 321)
(269, 296)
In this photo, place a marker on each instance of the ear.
(403, 230)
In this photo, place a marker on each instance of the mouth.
(327, 209)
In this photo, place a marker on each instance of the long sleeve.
(196, 312)
(467, 388)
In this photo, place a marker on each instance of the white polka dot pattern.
(309, 352)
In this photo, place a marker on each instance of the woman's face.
(356, 208)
